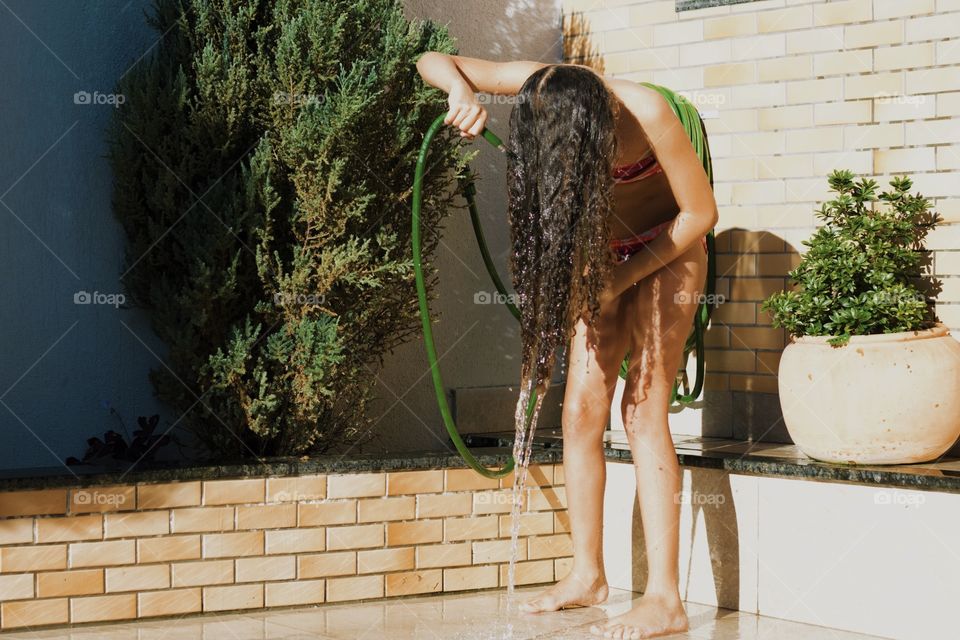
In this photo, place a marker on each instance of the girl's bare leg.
(662, 311)
(591, 381)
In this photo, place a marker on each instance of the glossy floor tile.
(486, 615)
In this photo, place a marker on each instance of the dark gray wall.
(62, 364)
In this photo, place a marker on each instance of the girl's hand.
(465, 112)
(611, 290)
(618, 282)
(607, 295)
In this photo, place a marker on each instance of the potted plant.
(871, 376)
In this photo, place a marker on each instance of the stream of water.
(522, 446)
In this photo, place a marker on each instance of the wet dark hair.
(560, 159)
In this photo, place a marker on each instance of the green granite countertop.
(767, 459)
(85, 476)
(493, 450)
(688, 5)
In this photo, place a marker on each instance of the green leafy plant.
(263, 160)
(859, 272)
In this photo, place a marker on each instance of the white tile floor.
(467, 616)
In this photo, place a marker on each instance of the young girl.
(609, 206)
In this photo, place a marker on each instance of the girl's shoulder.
(646, 104)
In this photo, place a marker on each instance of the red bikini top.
(640, 170)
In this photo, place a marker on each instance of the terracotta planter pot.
(889, 398)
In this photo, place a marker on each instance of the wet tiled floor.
(467, 616)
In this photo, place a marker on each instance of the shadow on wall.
(477, 339)
(742, 347)
(577, 46)
(69, 351)
(739, 398)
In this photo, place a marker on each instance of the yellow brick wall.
(798, 87)
(142, 550)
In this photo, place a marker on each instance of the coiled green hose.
(695, 130)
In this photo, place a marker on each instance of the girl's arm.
(461, 77)
(688, 181)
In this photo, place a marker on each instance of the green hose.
(694, 128)
(461, 447)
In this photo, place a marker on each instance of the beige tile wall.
(136, 551)
(797, 88)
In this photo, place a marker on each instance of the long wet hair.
(560, 160)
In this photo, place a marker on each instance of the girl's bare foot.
(653, 616)
(572, 591)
